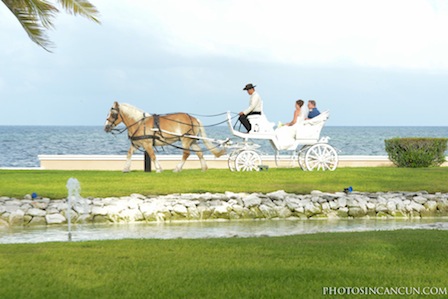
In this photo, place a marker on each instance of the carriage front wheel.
(321, 156)
(247, 160)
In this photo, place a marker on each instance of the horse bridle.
(114, 115)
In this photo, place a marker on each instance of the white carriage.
(307, 147)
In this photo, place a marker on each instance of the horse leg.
(185, 156)
(200, 155)
(150, 150)
(127, 165)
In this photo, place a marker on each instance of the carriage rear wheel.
(231, 159)
(321, 156)
(301, 157)
(247, 160)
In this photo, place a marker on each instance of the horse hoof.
(177, 170)
(125, 170)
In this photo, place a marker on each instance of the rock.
(85, 218)
(442, 205)
(98, 210)
(16, 217)
(100, 219)
(312, 209)
(268, 212)
(431, 206)
(400, 214)
(333, 205)
(251, 201)
(356, 212)
(37, 221)
(3, 223)
(284, 212)
(414, 206)
(11, 208)
(55, 219)
(342, 202)
(204, 212)
(420, 199)
(36, 212)
(278, 195)
(221, 212)
(326, 207)
(316, 193)
(131, 215)
(383, 215)
(342, 212)
(180, 209)
(193, 213)
(255, 213)
(292, 202)
(391, 207)
(278, 204)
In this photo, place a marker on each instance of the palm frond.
(81, 7)
(35, 17)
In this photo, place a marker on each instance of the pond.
(209, 229)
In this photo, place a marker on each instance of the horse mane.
(133, 111)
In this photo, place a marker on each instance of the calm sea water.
(21, 145)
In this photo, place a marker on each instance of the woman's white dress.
(286, 135)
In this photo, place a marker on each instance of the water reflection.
(197, 230)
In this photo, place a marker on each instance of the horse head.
(114, 118)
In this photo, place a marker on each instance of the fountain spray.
(74, 189)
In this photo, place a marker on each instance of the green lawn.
(280, 267)
(51, 183)
(276, 267)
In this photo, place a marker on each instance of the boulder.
(278, 195)
(16, 217)
(55, 219)
(251, 201)
(37, 221)
(36, 212)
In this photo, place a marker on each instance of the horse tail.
(213, 149)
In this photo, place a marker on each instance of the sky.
(369, 62)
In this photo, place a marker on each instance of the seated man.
(313, 111)
(255, 106)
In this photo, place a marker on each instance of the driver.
(255, 106)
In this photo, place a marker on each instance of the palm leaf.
(81, 7)
(35, 17)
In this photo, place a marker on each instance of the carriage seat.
(260, 124)
(311, 128)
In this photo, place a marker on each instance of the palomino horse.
(147, 131)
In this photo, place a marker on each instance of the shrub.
(416, 152)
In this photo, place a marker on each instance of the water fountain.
(74, 189)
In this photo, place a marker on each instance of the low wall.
(225, 206)
(169, 162)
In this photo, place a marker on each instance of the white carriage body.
(315, 152)
(307, 132)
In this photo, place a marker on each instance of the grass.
(279, 267)
(51, 183)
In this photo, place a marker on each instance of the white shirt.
(255, 104)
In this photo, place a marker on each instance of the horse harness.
(158, 132)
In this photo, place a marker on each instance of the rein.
(158, 132)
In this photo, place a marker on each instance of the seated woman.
(286, 134)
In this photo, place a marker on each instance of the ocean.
(21, 145)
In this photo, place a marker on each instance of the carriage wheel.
(247, 161)
(231, 159)
(301, 157)
(321, 157)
